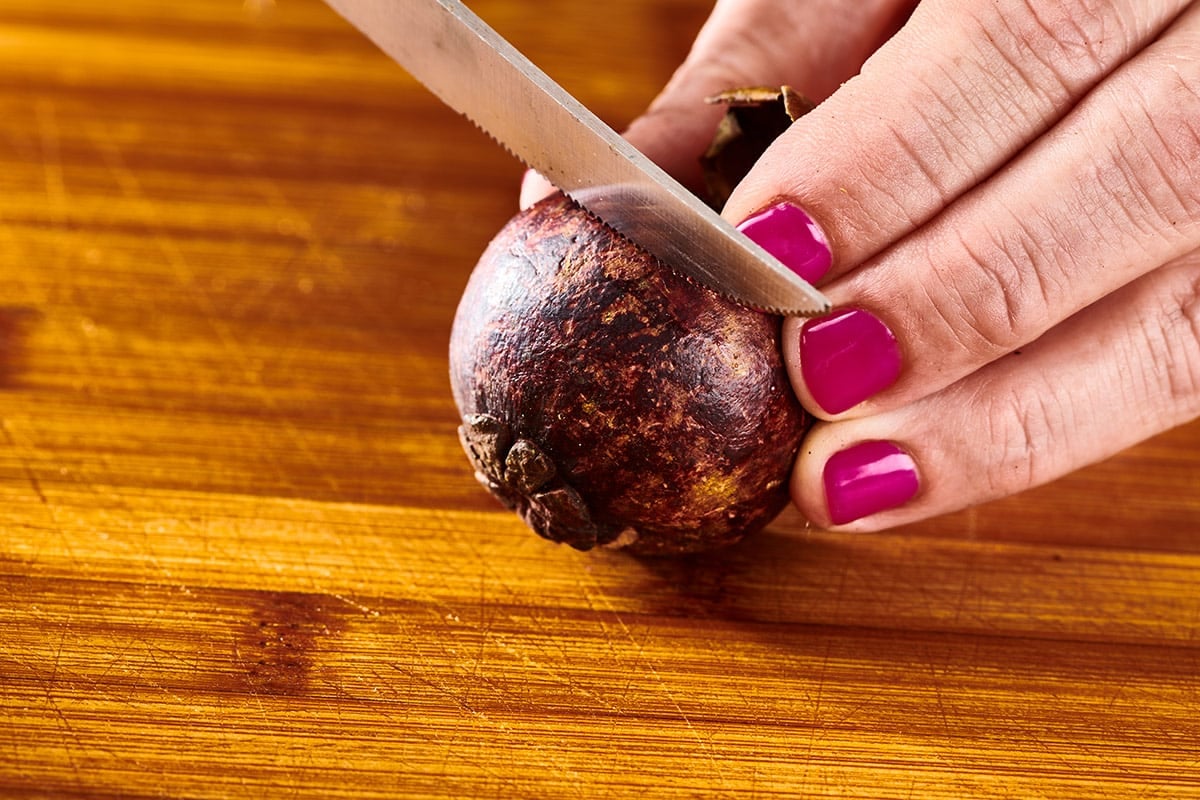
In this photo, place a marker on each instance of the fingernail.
(867, 478)
(788, 233)
(847, 357)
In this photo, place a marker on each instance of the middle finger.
(1109, 194)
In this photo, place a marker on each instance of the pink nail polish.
(847, 357)
(867, 478)
(788, 233)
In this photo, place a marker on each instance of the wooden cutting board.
(242, 555)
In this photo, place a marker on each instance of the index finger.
(941, 106)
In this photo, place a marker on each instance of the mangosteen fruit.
(609, 400)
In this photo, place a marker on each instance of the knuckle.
(901, 184)
(1024, 429)
(997, 294)
(1146, 169)
(1072, 41)
(1168, 109)
(1172, 338)
(1186, 384)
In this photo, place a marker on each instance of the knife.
(472, 69)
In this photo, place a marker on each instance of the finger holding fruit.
(1001, 198)
(1004, 208)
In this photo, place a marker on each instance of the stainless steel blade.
(476, 72)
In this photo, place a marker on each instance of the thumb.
(813, 45)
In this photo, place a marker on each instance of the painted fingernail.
(788, 233)
(867, 478)
(847, 357)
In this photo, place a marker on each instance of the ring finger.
(1122, 370)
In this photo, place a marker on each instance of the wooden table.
(242, 554)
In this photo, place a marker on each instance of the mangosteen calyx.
(525, 479)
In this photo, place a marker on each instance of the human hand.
(1005, 208)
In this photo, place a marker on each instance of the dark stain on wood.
(15, 322)
(276, 645)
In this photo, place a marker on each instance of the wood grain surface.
(242, 554)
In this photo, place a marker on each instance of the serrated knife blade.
(472, 69)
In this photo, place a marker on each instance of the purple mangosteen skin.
(611, 401)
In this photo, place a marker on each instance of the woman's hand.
(1004, 207)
